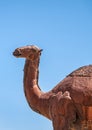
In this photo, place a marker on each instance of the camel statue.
(69, 104)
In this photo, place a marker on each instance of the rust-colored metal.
(68, 104)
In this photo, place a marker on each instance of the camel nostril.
(16, 53)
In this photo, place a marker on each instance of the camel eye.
(34, 51)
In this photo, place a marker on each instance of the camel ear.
(40, 50)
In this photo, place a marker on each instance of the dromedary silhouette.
(68, 104)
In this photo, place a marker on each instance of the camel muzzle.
(16, 53)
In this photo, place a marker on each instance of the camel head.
(29, 52)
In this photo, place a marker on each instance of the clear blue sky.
(63, 28)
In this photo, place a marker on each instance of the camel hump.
(84, 71)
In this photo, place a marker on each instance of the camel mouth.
(16, 53)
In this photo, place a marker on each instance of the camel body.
(79, 85)
(68, 104)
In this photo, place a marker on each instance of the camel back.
(85, 71)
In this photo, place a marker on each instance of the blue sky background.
(63, 28)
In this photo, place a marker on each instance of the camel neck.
(31, 88)
(31, 73)
(34, 95)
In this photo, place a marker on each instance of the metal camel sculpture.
(68, 104)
